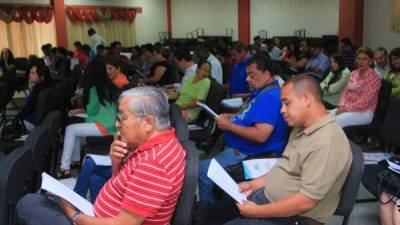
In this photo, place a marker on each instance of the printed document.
(208, 110)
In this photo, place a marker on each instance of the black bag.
(12, 130)
(389, 180)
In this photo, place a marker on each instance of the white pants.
(347, 119)
(72, 141)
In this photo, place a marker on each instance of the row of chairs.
(21, 169)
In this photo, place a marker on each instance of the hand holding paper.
(220, 177)
(208, 110)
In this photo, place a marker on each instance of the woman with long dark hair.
(336, 81)
(7, 60)
(101, 109)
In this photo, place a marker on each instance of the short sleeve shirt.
(315, 162)
(264, 108)
(148, 183)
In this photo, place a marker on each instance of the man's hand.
(223, 122)
(68, 209)
(246, 188)
(248, 209)
(118, 149)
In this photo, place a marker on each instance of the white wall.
(212, 15)
(376, 25)
(149, 23)
(281, 18)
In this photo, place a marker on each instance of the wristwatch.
(74, 217)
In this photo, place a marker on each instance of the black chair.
(46, 102)
(391, 130)
(53, 123)
(205, 121)
(376, 125)
(15, 170)
(3, 100)
(351, 185)
(38, 141)
(179, 123)
(184, 207)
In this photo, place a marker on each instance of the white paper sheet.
(374, 158)
(100, 160)
(81, 115)
(208, 110)
(57, 188)
(254, 168)
(220, 177)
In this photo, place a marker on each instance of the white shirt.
(189, 72)
(96, 40)
(275, 53)
(381, 71)
(216, 68)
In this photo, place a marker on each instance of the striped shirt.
(148, 183)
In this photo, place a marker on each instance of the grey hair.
(149, 101)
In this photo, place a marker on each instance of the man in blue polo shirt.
(257, 129)
(318, 62)
(238, 86)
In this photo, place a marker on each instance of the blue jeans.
(227, 157)
(38, 209)
(92, 178)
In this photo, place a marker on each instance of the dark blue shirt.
(263, 108)
(237, 81)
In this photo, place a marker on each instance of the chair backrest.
(60, 96)
(391, 124)
(179, 123)
(15, 170)
(383, 102)
(46, 102)
(352, 183)
(52, 122)
(3, 96)
(38, 141)
(184, 206)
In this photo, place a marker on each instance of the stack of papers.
(232, 103)
(374, 158)
(208, 109)
(220, 177)
(59, 189)
(254, 168)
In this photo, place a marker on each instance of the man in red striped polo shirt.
(148, 166)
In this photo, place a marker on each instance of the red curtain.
(90, 14)
(27, 14)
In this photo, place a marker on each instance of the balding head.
(303, 84)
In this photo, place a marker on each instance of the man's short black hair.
(303, 83)
(347, 42)
(257, 38)
(238, 46)
(262, 62)
(91, 31)
(183, 54)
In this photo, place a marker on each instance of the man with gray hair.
(148, 165)
(381, 61)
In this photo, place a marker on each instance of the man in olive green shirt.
(304, 186)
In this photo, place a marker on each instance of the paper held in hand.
(220, 177)
(208, 110)
(59, 189)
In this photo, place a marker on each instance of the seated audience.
(101, 113)
(185, 63)
(216, 67)
(116, 50)
(360, 97)
(148, 167)
(61, 64)
(102, 51)
(159, 71)
(304, 187)
(286, 52)
(394, 73)
(195, 89)
(274, 50)
(260, 45)
(389, 212)
(7, 61)
(381, 61)
(238, 86)
(95, 40)
(318, 62)
(300, 57)
(347, 50)
(335, 83)
(114, 73)
(46, 49)
(145, 60)
(39, 80)
(257, 129)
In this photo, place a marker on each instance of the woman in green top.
(394, 73)
(194, 89)
(101, 112)
(335, 83)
